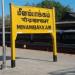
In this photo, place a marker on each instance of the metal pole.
(3, 36)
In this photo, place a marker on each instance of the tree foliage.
(60, 9)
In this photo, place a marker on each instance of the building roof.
(66, 22)
(68, 16)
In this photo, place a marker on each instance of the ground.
(34, 62)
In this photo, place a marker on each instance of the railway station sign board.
(31, 20)
(28, 19)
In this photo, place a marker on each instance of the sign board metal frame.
(32, 20)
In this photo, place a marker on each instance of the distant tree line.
(60, 9)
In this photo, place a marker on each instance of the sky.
(70, 3)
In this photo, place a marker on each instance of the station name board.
(28, 19)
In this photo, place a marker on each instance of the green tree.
(60, 9)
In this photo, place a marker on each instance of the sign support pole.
(13, 52)
(13, 37)
(54, 38)
(3, 36)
